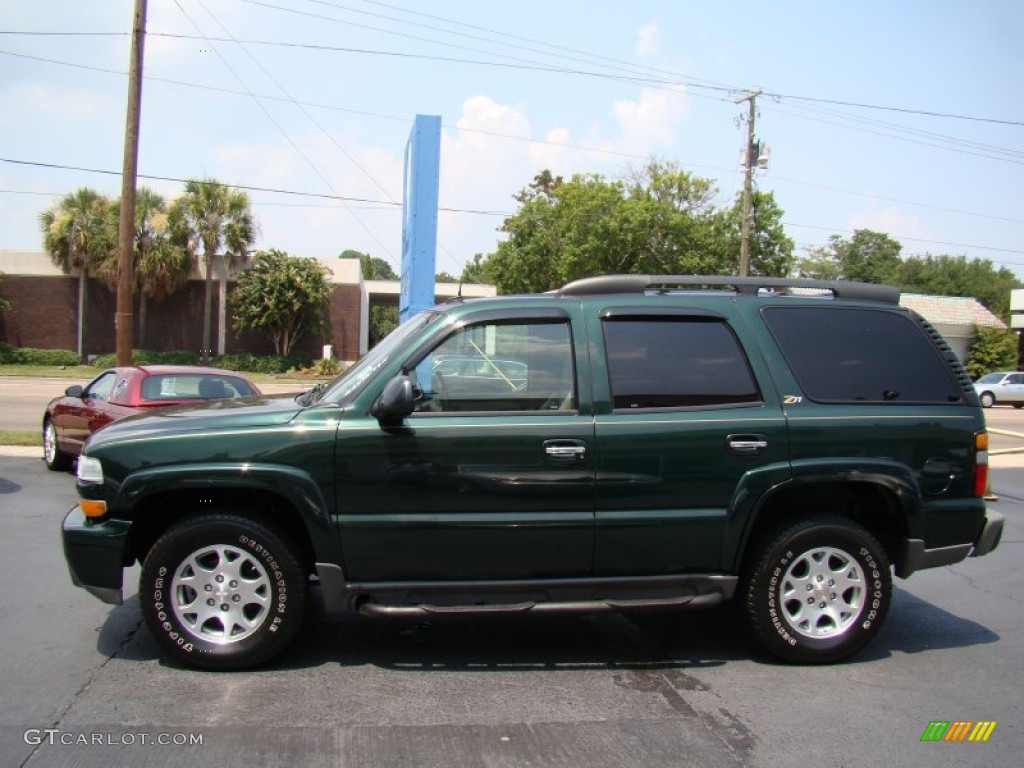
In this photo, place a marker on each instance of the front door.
(491, 478)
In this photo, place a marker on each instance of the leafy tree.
(383, 318)
(444, 277)
(771, 251)
(283, 296)
(959, 276)
(372, 267)
(993, 349)
(76, 237)
(217, 218)
(474, 272)
(869, 256)
(161, 266)
(659, 219)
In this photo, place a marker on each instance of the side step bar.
(578, 606)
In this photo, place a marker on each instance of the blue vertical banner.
(420, 183)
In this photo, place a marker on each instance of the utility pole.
(751, 159)
(126, 226)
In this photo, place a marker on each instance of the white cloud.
(647, 42)
(651, 121)
(889, 220)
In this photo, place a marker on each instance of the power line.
(387, 203)
(510, 137)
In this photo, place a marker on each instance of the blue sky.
(636, 79)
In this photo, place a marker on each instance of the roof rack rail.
(749, 286)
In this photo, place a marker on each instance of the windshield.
(352, 380)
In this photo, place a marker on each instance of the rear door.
(689, 434)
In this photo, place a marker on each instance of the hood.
(259, 411)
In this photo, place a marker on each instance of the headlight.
(89, 470)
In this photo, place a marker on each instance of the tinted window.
(670, 362)
(867, 355)
(499, 367)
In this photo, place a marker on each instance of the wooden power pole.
(126, 226)
(751, 97)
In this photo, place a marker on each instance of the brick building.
(44, 311)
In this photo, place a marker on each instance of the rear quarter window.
(840, 354)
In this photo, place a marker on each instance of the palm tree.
(161, 266)
(76, 237)
(213, 215)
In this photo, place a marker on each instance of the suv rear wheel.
(222, 592)
(819, 591)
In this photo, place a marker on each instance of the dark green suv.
(625, 442)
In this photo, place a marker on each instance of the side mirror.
(396, 401)
(75, 391)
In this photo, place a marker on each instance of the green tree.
(283, 296)
(771, 251)
(959, 276)
(474, 272)
(383, 318)
(161, 265)
(218, 219)
(659, 219)
(993, 349)
(76, 237)
(869, 256)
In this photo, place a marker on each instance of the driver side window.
(100, 387)
(499, 367)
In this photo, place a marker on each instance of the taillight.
(981, 463)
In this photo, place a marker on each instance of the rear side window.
(673, 362)
(860, 355)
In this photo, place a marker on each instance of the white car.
(1005, 387)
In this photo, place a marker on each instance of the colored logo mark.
(958, 730)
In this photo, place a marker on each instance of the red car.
(120, 392)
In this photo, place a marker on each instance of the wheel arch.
(881, 505)
(282, 498)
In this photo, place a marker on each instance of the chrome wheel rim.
(822, 593)
(50, 442)
(221, 594)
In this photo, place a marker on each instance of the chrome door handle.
(747, 443)
(561, 451)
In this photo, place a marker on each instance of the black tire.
(56, 460)
(819, 590)
(987, 399)
(255, 584)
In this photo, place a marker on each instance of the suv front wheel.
(222, 592)
(819, 591)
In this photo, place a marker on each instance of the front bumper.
(95, 553)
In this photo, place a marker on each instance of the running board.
(578, 606)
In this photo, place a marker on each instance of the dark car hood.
(259, 411)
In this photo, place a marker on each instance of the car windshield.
(343, 388)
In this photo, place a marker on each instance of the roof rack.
(748, 286)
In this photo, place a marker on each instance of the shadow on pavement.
(640, 640)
